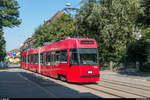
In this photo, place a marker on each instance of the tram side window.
(63, 56)
(31, 59)
(42, 58)
(48, 58)
(21, 58)
(74, 57)
(36, 59)
(24, 59)
(28, 58)
(57, 57)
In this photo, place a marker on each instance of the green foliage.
(145, 18)
(8, 18)
(3, 68)
(2, 47)
(9, 13)
(60, 28)
(145, 67)
(111, 23)
(140, 49)
(137, 51)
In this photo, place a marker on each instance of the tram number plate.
(89, 72)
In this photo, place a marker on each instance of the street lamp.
(68, 9)
(68, 4)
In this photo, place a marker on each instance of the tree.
(112, 23)
(145, 18)
(85, 28)
(60, 28)
(140, 49)
(2, 47)
(8, 18)
(9, 13)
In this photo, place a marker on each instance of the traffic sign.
(14, 53)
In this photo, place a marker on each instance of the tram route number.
(142, 98)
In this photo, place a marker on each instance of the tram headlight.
(95, 66)
(90, 72)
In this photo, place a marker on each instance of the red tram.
(72, 60)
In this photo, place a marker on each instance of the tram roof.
(62, 44)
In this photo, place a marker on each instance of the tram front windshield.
(83, 56)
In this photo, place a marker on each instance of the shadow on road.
(28, 85)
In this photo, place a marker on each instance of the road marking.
(38, 86)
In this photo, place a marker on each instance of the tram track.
(137, 95)
(104, 92)
(103, 89)
(78, 85)
(124, 91)
(127, 86)
(119, 90)
(137, 86)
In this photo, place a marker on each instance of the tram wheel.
(63, 78)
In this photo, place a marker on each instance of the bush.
(145, 67)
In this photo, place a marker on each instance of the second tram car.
(72, 60)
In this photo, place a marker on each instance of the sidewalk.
(137, 75)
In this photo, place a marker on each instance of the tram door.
(53, 65)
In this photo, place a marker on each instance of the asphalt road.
(18, 83)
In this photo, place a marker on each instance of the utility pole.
(70, 10)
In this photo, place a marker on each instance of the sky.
(32, 14)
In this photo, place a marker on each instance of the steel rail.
(119, 82)
(124, 91)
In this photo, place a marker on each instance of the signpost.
(14, 53)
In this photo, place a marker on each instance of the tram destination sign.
(86, 42)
